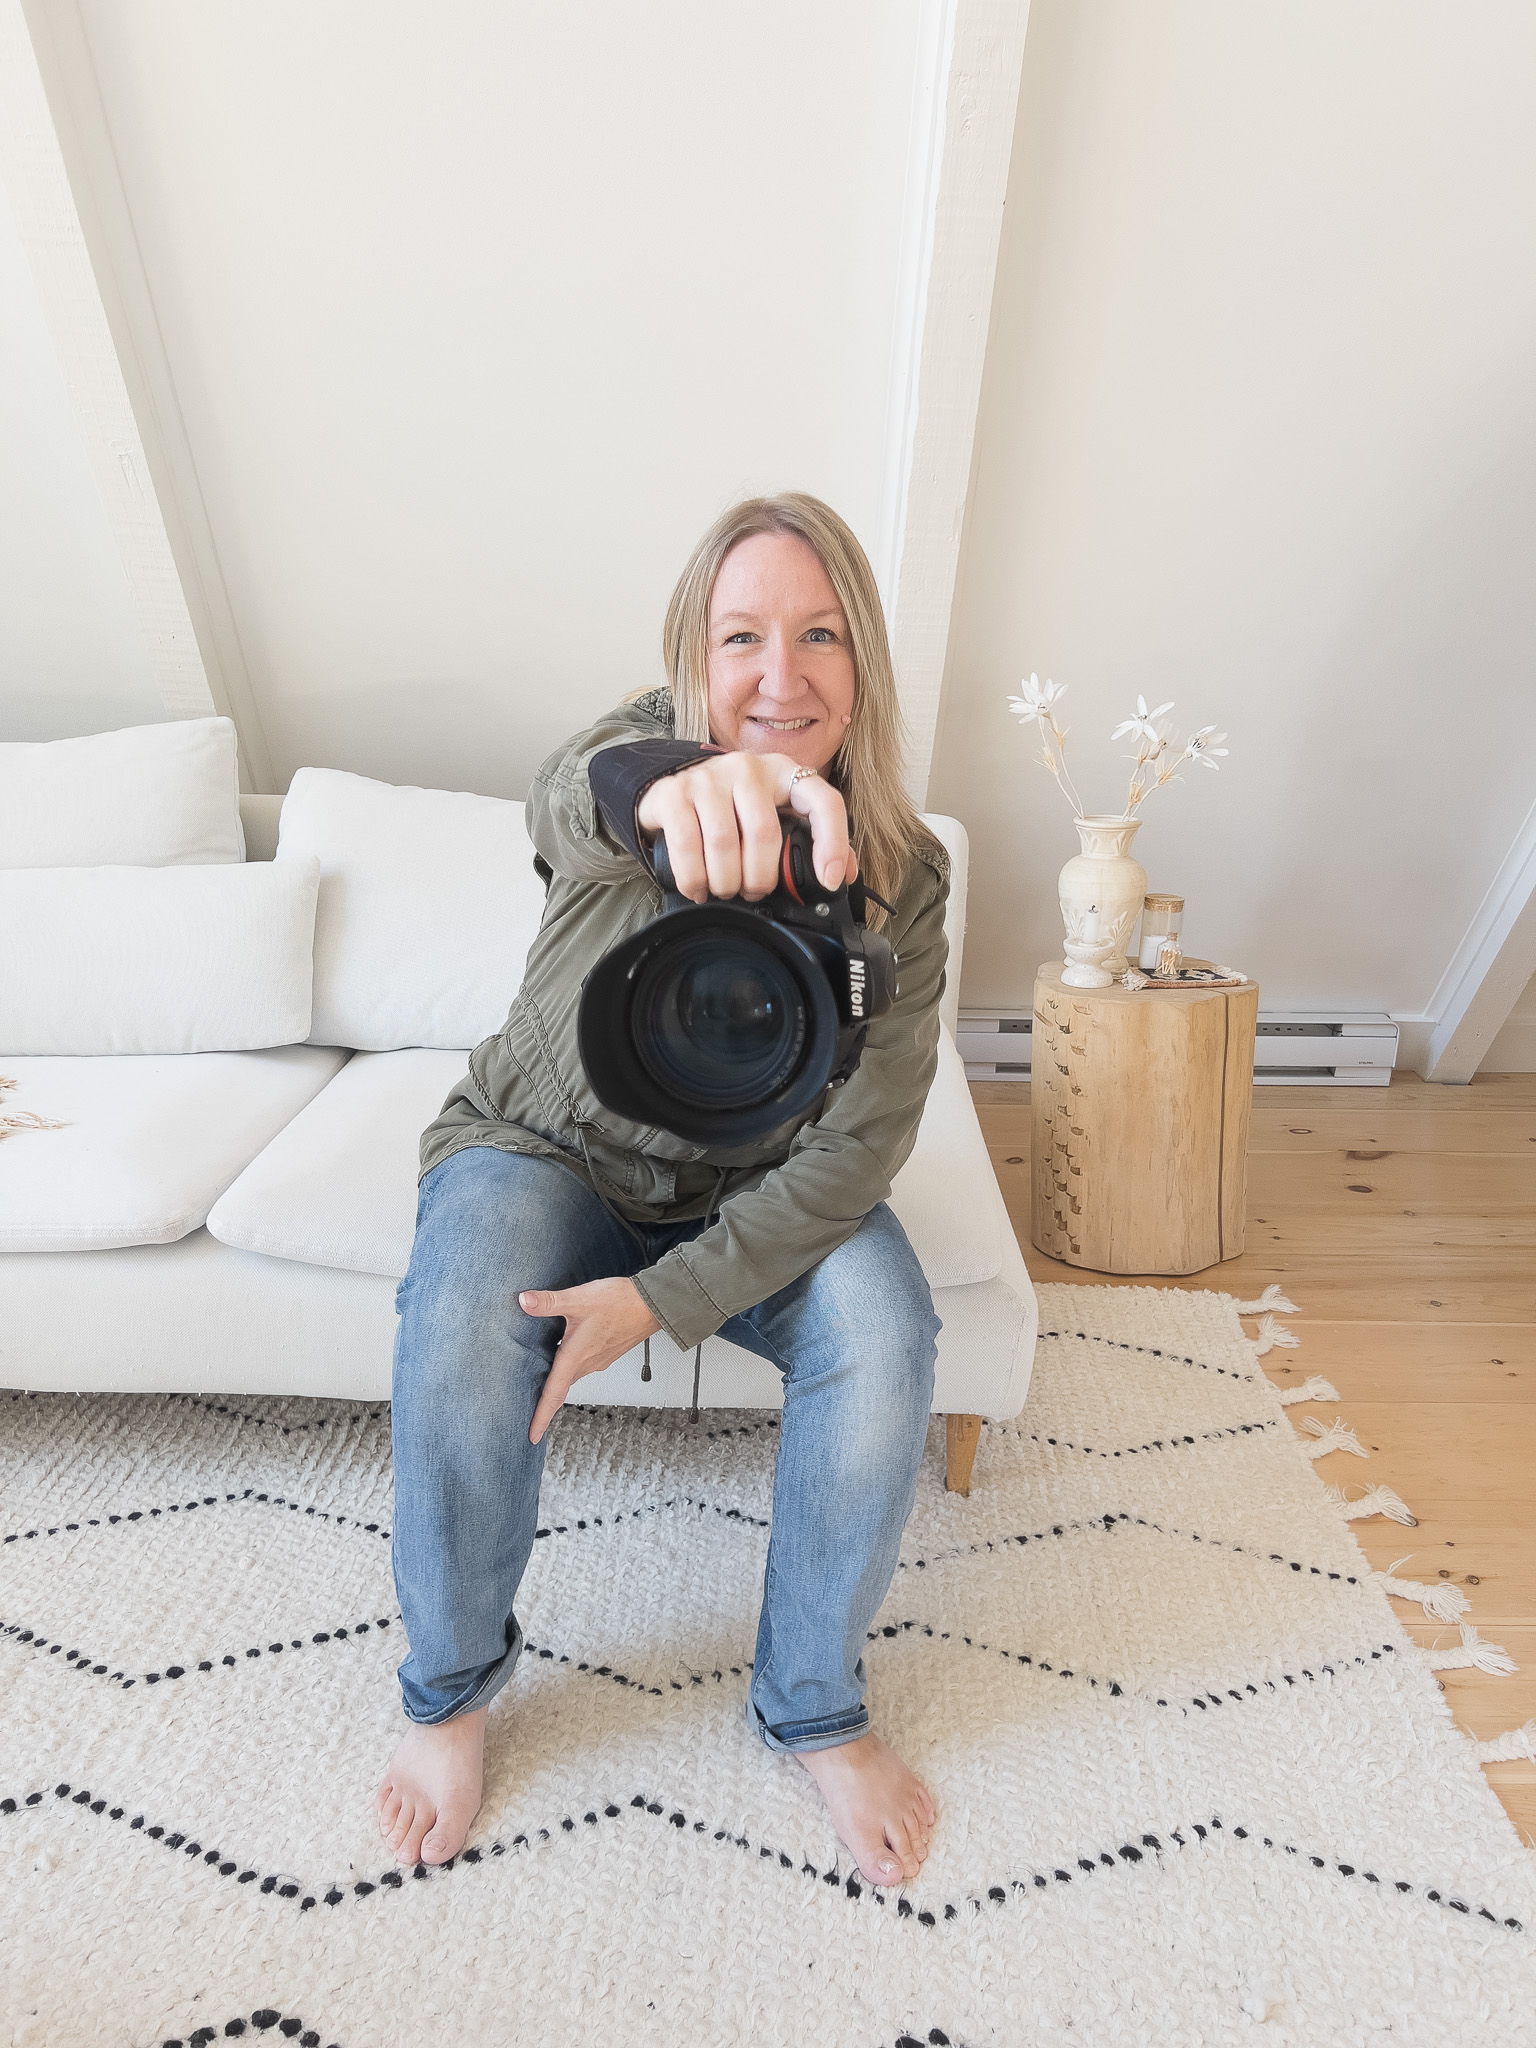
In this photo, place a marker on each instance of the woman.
(552, 1237)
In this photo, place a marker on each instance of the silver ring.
(799, 772)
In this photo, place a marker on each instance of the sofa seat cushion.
(145, 1146)
(337, 1187)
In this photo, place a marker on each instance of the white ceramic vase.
(1101, 891)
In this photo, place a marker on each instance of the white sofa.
(235, 1221)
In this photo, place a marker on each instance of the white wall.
(72, 653)
(478, 314)
(1257, 435)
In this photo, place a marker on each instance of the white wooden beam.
(62, 173)
(1487, 973)
(965, 103)
(47, 221)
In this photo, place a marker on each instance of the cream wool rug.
(1195, 1783)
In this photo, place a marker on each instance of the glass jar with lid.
(1162, 919)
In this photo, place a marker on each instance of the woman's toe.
(878, 1861)
(402, 1824)
(409, 1850)
(389, 1809)
(901, 1845)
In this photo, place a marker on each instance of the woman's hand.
(722, 825)
(603, 1320)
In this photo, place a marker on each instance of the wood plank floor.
(1403, 1220)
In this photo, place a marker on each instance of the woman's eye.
(739, 639)
(822, 636)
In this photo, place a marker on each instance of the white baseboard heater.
(1350, 1049)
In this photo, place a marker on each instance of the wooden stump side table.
(1140, 1105)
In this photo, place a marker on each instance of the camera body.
(722, 1021)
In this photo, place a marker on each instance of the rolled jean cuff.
(794, 1736)
(480, 1694)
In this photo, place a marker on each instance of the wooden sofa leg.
(962, 1433)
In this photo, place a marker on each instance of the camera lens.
(718, 1021)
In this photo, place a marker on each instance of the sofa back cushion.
(150, 796)
(428, 905)
(156, 960)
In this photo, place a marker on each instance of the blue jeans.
(853, 1338)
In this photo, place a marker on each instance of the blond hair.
(867, 767)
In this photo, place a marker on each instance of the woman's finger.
(685, 844)
(818, 801)
(721, 834)
(762, 840)
(558, 1383)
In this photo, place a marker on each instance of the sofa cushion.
(149, 796)
(157, 960)
(146, 1146)
(428, 905)
(337, 1187)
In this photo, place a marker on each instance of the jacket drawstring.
(698, 1349)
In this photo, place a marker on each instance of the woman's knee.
(487, 1228)
(870, 1312)
(876, 1283)
(491, 1223)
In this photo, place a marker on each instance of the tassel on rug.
(1515, 1745)
(1474, 1655)
(1314, 1389)
(1440, 1601)
(1271, 1298)
(1331, 1436)
(1271, 1335)
(1376, 1500)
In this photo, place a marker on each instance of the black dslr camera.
(720, 1021)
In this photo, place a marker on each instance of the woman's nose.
(780, 679)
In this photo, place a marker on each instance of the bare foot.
(880, 1810)
(431, 1791)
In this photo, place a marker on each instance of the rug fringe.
(1376, 1500)
(1515, 1745)
(1270, 1298)
(1314, 1389)
(1440, 1601)
(1331, 1436)
(1272, 1334)
(1474, 1655)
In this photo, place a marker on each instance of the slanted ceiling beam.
(1491, 966)
(965, 104)
(61, 169)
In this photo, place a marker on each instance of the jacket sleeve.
(585, 840)
(838, 1167)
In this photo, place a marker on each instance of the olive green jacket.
(786, 1201)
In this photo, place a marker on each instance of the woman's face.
(780, 660)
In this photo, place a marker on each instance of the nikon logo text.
(857, 972)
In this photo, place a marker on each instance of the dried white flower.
(1204, 745)
(1145, 722)
(1035, 703)
(1035, 706)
